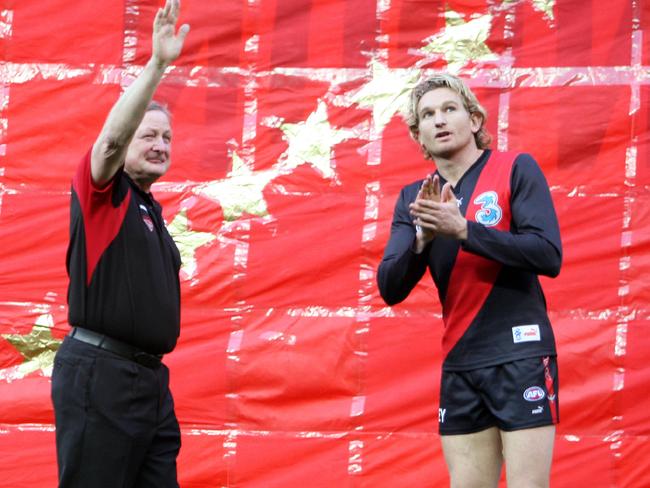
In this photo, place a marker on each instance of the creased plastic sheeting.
(289, 152)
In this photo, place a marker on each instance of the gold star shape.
(461, 42)
(310, 142)
(544, 6)
(241, 192)
(38, 348)
(387, 93)
(188, 241)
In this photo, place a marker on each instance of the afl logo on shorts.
(534, 394)
(490, 213)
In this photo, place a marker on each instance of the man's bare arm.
(124, 118)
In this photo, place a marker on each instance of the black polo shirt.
(122, 263)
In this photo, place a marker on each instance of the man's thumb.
(182, 32)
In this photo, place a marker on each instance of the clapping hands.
(435, 212)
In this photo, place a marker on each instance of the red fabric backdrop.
(289, 153)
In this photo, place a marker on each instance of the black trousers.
(115, 420)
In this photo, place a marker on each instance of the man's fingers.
(447, 194)
(175, 7)
(166, 8)
(422, 204)
(428, 189)
(434, 192)
(423, 187)
(183, 31)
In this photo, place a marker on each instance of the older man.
(114, 412)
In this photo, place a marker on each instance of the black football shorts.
(518, 395)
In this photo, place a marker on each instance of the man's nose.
(159, 145)
(439, 119)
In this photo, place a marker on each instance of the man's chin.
(157, 169)
(441, 153)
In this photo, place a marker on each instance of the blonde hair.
(470, 102)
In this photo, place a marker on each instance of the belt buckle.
(146, 359)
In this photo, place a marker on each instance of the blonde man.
(484, 226)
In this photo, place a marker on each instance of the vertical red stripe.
(550, 389)
(291, 34)
(360, 34)
(326, 22)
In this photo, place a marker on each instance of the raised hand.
(166, 43)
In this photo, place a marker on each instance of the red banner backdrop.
(289, 153)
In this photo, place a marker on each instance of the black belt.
(117, 347)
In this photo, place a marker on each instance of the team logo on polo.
(534, 394)
(490, 213)
(146, 218)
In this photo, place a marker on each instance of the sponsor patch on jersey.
(146, 218)
(526, 333)
(534, 394)
(490, 212)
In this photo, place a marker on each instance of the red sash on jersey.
(473, 276)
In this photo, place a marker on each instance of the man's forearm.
(122, 122)
(128, 111)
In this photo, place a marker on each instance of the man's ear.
(477, 121)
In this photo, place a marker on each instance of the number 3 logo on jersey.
(490, 213)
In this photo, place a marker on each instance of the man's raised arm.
(124, 118)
